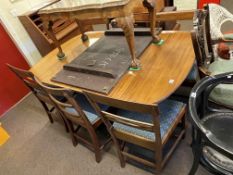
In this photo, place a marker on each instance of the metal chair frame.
(198, 108)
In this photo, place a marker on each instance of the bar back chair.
(78, 113)
(144, 125)
(212, 137)
(28, 79)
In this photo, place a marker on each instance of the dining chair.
(79, 113)
(212, 135)
(208, 65)
(209, 23)
(149, 126)
(28, 79)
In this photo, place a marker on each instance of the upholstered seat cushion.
(193, 74)
(224, 47)
(87, 108)
(169, 109)
(223, 93)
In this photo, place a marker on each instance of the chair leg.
(96, 144)
(71, 129)
(183, 125)
(117, 145)
(47, 111)
(97, 155)
(197, 152)
(196, 160)
(158, 160)
(118, 149)
(65, 123)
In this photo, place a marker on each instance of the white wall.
(8, 15)
(185, 4)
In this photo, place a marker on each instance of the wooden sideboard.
(64, 29)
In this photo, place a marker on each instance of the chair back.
(29, 80)
(201, 37)
(218, 15)
(26, 76)
(69, 108)
(108, 117)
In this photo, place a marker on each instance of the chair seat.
(223, 93)
(223, 48)
(87, 108)
(193, 74)
(169, 110)
(220, 125)
(217, 159)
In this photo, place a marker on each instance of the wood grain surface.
(163, 69)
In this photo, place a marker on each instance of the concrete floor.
(37, 147)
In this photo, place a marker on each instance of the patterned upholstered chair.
(147, 126)
(208, 62)
(79, 114)
(213, 135)
(29, 80)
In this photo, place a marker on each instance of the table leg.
(127, 24)
(151, 6)
(84, 37)
(48, 28)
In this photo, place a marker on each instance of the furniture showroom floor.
(37, 147)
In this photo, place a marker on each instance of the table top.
(76, 5)
(163, 68)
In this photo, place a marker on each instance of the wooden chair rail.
(129, 122)
(138, 159)
(127, 105)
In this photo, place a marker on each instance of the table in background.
(164, 68)
(120, 10)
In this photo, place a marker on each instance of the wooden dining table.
(163, 68)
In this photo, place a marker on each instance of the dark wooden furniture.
(164, 68)
(148, 126)
(169, 2)
(64, 29)
(201, 40)
(212, 137)
(120, 10)
(78, 113)
(29, 80)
